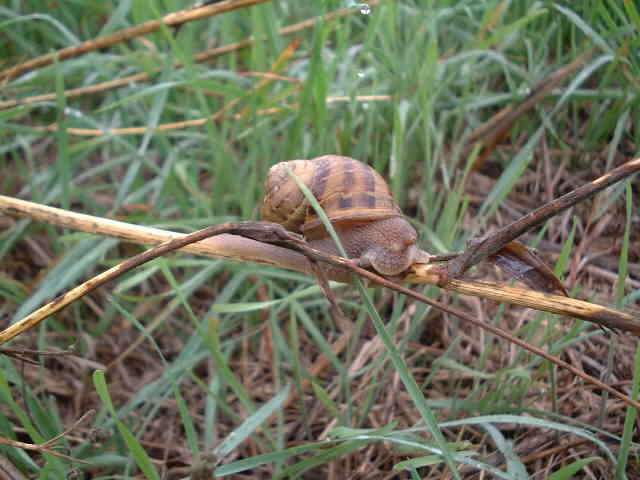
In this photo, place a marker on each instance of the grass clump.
(199, 367)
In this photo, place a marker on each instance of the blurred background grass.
(200, 373)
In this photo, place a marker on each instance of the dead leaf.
(525, 265)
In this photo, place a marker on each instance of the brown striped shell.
(348, 190)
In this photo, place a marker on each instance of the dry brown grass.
(463, 370)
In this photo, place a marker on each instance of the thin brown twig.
(39, 448)
(198, 58)
(21, 354)
(498, 126)
(47, 446)
(90, 285)
(80, 91)
(480, 249)
(237, 248)
(172, 19)
(339, 318)
(352, 265)
(545, 302)
(272, 233)
(197, 122)
(67, 431)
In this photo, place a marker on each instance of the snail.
(357, 201)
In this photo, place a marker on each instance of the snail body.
(358, 203)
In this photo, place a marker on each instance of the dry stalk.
(273, 234)
(239, 248)
(493, 131)
(201, 57)
(171, 20)
(273, 245)
(197, 122)
(47, 447)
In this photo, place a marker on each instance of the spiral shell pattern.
(349, 191)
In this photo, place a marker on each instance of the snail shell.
(358, 203)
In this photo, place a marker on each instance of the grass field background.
(188, 372)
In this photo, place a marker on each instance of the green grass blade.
(74, 265)
(409, 382)
(568, 472)
(138, 453)
(249, 426)
(187, 423)
(631, 415)
(510, 176)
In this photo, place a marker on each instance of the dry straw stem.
(482, 248)
(243, 249)
(197, 122)
(198, 58)
(491, 131)
(560, 305)
(46, 447)
(172, 19)
(273, 233)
